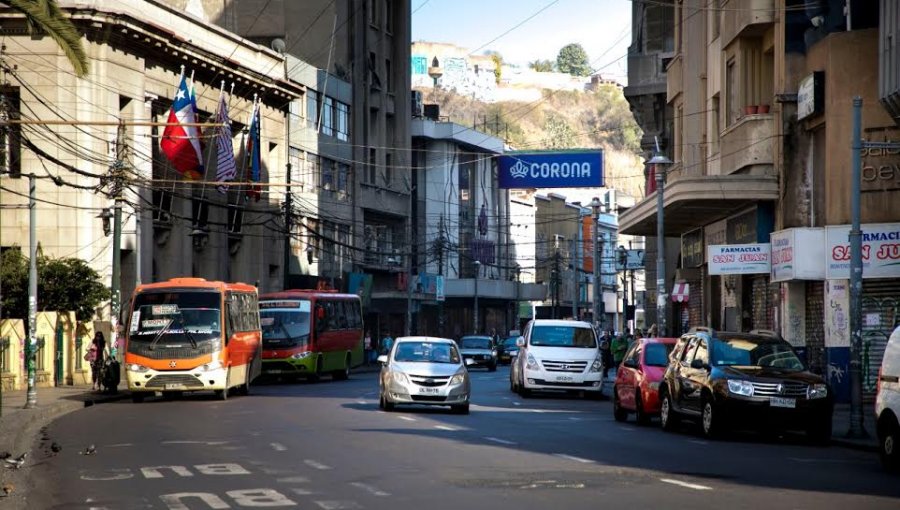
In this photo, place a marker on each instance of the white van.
(557, 355)
(887, 404)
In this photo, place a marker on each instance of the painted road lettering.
(246, 498)
(152, 472)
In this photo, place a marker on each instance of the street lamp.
(598, 307)
(660, 160)
(475, 322)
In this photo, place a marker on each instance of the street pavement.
(328, 446)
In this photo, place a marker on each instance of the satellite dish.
(278, 45)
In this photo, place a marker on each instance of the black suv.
(725, 379)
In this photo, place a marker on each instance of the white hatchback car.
(557, 355)
(425, 371)
(887, 404)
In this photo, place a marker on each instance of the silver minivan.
(423, 370)
(887, 404)
(557, 355)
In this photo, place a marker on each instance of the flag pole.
(172, 167)
(212, 147)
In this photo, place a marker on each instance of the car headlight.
(739, 387)
(458, 379)
(400, 378)
(597, 365)
(494, 354)
(134, 367)
(532, 363)
(816, 391)
(215, 365)
(302, 355)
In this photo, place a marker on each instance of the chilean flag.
(180, 142)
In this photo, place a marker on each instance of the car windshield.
(745, 352)
(657, 355)
(426, 352)
(176, 316)
(562, 336)
(475, 342)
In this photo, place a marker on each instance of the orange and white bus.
(309, 333)
(190, 334)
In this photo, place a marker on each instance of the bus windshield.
(182, 316)
(285, 323)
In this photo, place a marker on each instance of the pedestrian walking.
(386, 343)
(95, 357)
(606, 353)
(619, 348)
(367, 345)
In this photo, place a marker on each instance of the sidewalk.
(840, 423)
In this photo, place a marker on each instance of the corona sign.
(564, 169)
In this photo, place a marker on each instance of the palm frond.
(49, 18)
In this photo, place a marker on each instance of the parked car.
(726, 379)
(557, 355)
(426, 371)
(480, 350)
(887, 404)
(507, 350)
(636, 389)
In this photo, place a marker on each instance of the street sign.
(557, 169)
(634, 260)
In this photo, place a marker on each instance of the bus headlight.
(134, 367)
(302, 355)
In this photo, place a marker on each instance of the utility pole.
(409, 276)
(441, 273)
(288, 228)
(116, 170)
(856, 415)
(518, 273)
(31, 347)
(597, 310)
(660, 164)
(475, 322)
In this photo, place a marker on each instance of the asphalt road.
(328, 446)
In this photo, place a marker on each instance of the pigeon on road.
(17, 462)
(55, 447)
(90, 450)
(7, 489)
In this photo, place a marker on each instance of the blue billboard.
(565, 169)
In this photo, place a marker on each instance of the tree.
(542, 66)
(560, 134)
(67, 284)
(572, 59)
(46, 16)
(498, 66)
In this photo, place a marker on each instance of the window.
(714, 126)
(343, 176)
(389, 16)
(715, 17)
(388, 75)
(701, 353)
(313, 174)
(328, 116)
(10, 148)
(657, 355)
(297, 159)
(327, 174)
(373, 165)
(679, 134)
(342, 121)
(312, 108)
(732, 104)
(373, 13)
(388, 169)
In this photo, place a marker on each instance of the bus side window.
(321, 318)
(344, 312)
(254, 312)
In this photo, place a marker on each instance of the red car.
(637, 379)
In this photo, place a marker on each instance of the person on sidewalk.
(606, 357)
(95, 357)
(619, 347)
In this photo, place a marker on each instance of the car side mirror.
(383, 359)
(698, 364)
(520, 342)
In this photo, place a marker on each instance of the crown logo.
(518, 170)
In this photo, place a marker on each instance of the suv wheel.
(668, 418)
(889, 444)
(710, 419)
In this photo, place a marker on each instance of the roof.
(659, 340)
(198, 283)
(306, 293)
(424, 339)
(560, 322)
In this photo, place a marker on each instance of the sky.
(603, 27)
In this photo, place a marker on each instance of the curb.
(854, 445)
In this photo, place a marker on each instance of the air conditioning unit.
(417, 103)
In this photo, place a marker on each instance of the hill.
(559, 120)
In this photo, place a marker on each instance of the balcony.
(645, 75)
(675, 78)
(747, 147)
(742, 18)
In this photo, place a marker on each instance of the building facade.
(762, 99)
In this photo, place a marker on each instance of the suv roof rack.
(765, 332)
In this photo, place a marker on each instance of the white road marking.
(337, 505)
(118, 445)
(628, 429)
(407, 418)
(105, 476)
(572, 457)
(499, 441)
(444, 427)
(293, 479)
(831, 461)
(361, 402)
(173, 501)
(316, 465)
(370, 489)
(574, 418)
(517, 403)
(278, 447)
(303, 492)
(698, 441)
(686, 484)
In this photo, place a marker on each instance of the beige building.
(761, 93)
(171, 227)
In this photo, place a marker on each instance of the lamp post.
(660, 160)
(598, 308)
(475, 310)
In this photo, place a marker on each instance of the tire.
(223, 394)
(137, 397)
(819, 431)
(711, 420)
(668, 418)
(344, 374)
(317, 375)
(388, 406)
(889, 444)
(512, 385)
(460, 409)
(640, 415)
(619, 413)
(245, 388)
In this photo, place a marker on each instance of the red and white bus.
(309, 333)
(190, 334)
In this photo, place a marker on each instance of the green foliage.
(498, 66)
(559, 134)
(572, 59)
(542, 66)
(63, 285)
(45, 16)
(611, 121)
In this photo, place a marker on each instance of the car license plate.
(564, 378)
(429, 391)
(174, 386)
(783, 402)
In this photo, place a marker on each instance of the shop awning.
(681, 293)
(694, 201)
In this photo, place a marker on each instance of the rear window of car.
(475, 343)
(562, 336)
(657, 355)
